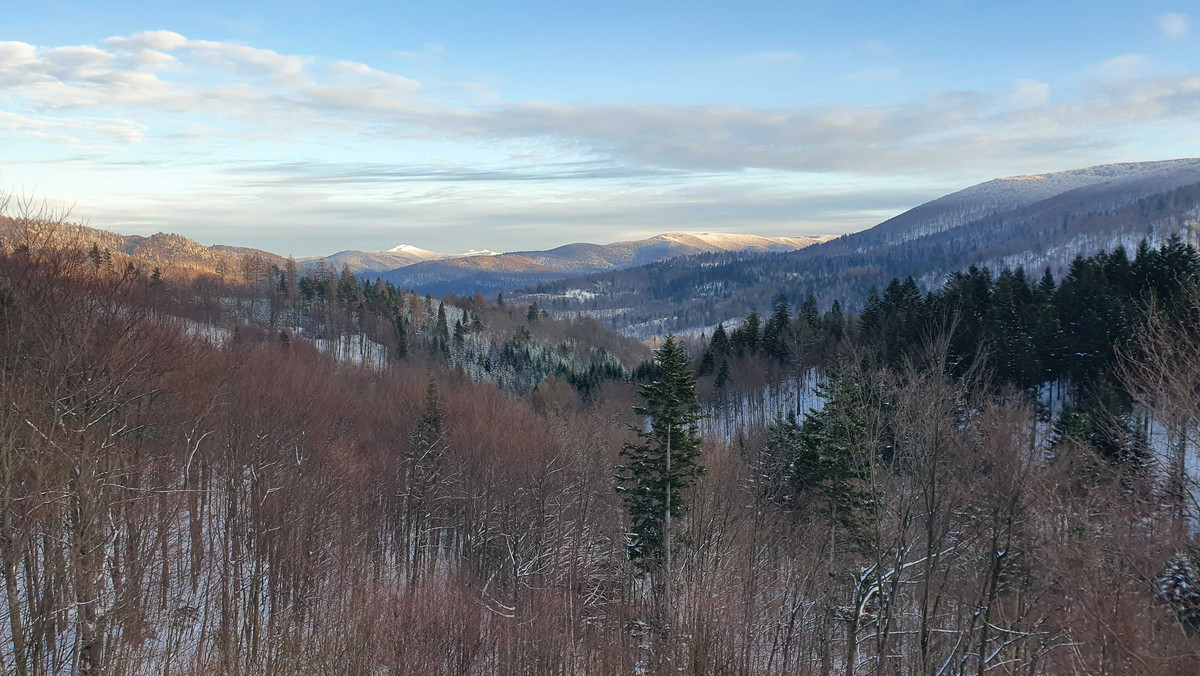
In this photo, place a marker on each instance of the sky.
(306, 128)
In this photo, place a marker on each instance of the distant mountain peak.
(416, 252)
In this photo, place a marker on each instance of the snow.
(415, 251)
(1132, 180)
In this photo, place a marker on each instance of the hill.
(467, 274)
(1032, 221)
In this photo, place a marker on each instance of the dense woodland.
(248, 504)
(1063, 340)
(701, 291)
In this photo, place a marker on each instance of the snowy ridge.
(1124, 182)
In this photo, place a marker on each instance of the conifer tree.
(720, 342)
(656, 471)
(810, 314)
(442, 330)
(868, 321)
(723, 376)
(774, 340)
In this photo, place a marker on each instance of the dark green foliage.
(441, 329)
(745, 338)
(723, 376)
(827, 456)
(401, 337)
(647, 489)
(775, 333)
(1105, 426)
(834, 321)
(868, 321)
(810, 314)
(707, 364)
(347, 286)
(720, 342)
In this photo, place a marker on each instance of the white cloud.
(1030, 94)
(1174, 24)
(163, 41)
(1124, 67)
(226, 97)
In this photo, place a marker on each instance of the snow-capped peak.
(479, 252)
(411, 252)
(407, 248)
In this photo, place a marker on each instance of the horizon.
(309, 131)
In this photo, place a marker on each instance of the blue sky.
(307, 127)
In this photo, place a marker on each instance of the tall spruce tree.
(775, 334)
(656, 471)
(720, 341)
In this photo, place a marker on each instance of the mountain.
(1035, 221)
(172, 254)
(489, 273)
(365, 261)
(1115, 183)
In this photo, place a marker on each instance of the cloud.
(361, 73)
(163, 41)
(296, 174)
(1174, 24)
(546, 159)
(1030, 94)
(1124, 67)
(285, 96)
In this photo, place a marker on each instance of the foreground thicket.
(171, 506)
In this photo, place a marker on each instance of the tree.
(723, 376)
(720, 341)
(774, 339)
(662, 465)
(810, 315)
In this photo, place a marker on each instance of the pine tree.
(868, 321)
(347, 286)
(834, 321)
(774, 340)
(746, 337)
(664, 463)
(810, 314)
(723, 376)
(442, 330)
(401, 338)
(720, 341)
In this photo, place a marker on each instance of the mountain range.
(429, 272)
(689, 282)
(1036, 222)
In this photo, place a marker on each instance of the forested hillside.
(193, 482)
(1043, 222)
